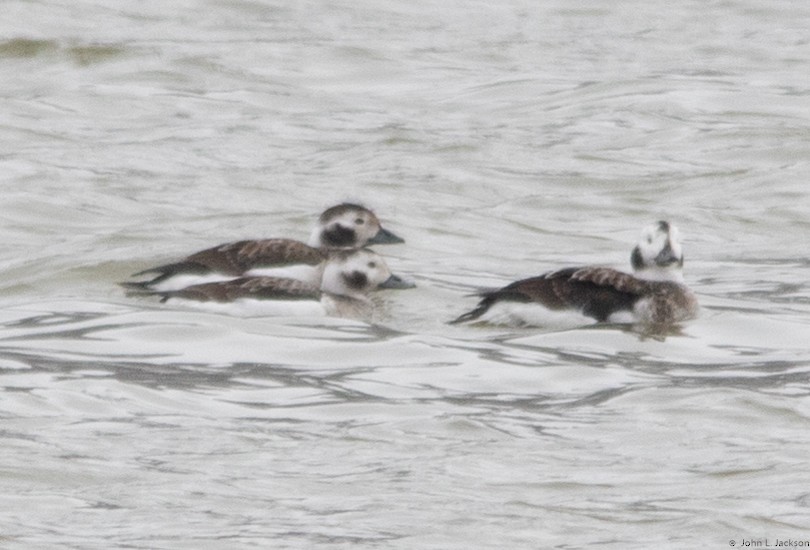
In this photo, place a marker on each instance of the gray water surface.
(502, 140)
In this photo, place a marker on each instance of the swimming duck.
(348, 277)
(343, 226)
(655, 294)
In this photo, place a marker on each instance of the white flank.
(624, 317)
(248, 307)
(307, 273)
(179, 282)
(517, 314)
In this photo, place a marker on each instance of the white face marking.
(364, 223)
(353, 266)
(357, 221)
(658, 254)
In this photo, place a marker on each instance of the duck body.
(653, 295)
(583, 295)
(268, 257)
(345, 226)
(348, 278)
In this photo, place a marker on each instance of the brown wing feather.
(595, 291)
(611, 278)
(259, 288)
(237, 257)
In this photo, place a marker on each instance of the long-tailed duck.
(342, 226)
(350, 226)
(654, 295)
(348, 277)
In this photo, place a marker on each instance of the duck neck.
(672, 275)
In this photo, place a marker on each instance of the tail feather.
(159, 269)
(474, 314)
(161, 273)
(136, 285)
(143, 290)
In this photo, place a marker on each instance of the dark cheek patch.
(339, 236)
(356, 280)
(635, 260)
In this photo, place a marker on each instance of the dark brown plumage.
(258, 288)
(597, 292)
(654, 294)
(235, 259)
(345, 226)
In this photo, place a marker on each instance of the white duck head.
(658, 255)
(350, 226)
(355, 273)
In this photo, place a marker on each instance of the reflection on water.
(502, 142)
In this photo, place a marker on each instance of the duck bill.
(384, 236)
(397, 282)
(667, 257)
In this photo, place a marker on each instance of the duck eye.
(372, 265)
(359, 221)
